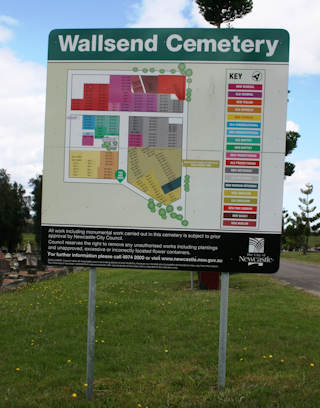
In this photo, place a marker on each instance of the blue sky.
(24, 29)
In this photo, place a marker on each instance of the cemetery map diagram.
(129, 128)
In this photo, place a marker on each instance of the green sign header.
(165, 44)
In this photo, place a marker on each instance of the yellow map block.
(151, 168)
(150, 185)
(84, 163)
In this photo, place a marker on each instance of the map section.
(128, 130)
(94, 142)
(154, 156)
(242, 154)
(134, 93)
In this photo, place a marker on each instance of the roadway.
(300, 275)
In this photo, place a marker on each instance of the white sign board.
(164, 148)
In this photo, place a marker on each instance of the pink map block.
(135, 140)
(87, 140)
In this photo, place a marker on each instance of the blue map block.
(88, 121)
(172, 185)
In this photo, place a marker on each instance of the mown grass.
(314, 240)
(310, 257)
(157, 343)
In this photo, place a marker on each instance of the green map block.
(100, 132)
(109, 123)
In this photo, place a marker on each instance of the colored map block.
(106, 126)
(136, 84)
(84, 163)
(172, 84)
(172, 185)
(109, 163)
(87, 140)
(150, 83)
(135, 140)
(88, 121)
(150, 185)
(152, 168)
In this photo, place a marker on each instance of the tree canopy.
(36, 183)
(217, 12)
(291, 143)
(14, 211)
(297, 229)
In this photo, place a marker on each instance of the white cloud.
(22, 101)
(6, 33)
(299, 17)
(8, 20)
(160, 13)
(306, 171)
(292, 126)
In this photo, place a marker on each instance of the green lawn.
(310, 257)
(28, 237)
(314, 240)
(157, 343)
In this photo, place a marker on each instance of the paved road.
(300, 275)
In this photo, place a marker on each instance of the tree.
(306, 215)
(14, 211)
(217, 12)
(291, 143)
(36, 183)
(294, 233)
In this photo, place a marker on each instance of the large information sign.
(164, 148)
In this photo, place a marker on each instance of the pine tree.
(306, 216)
(217, 12)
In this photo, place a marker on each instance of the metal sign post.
(91, 330)
(223, 329)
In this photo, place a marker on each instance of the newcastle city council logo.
(256, 246)
(256, 254)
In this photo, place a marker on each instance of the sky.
(24, 30)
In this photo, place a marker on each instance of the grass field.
(314, 240)
(157, 343)
(310, 257)
(28, 237)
